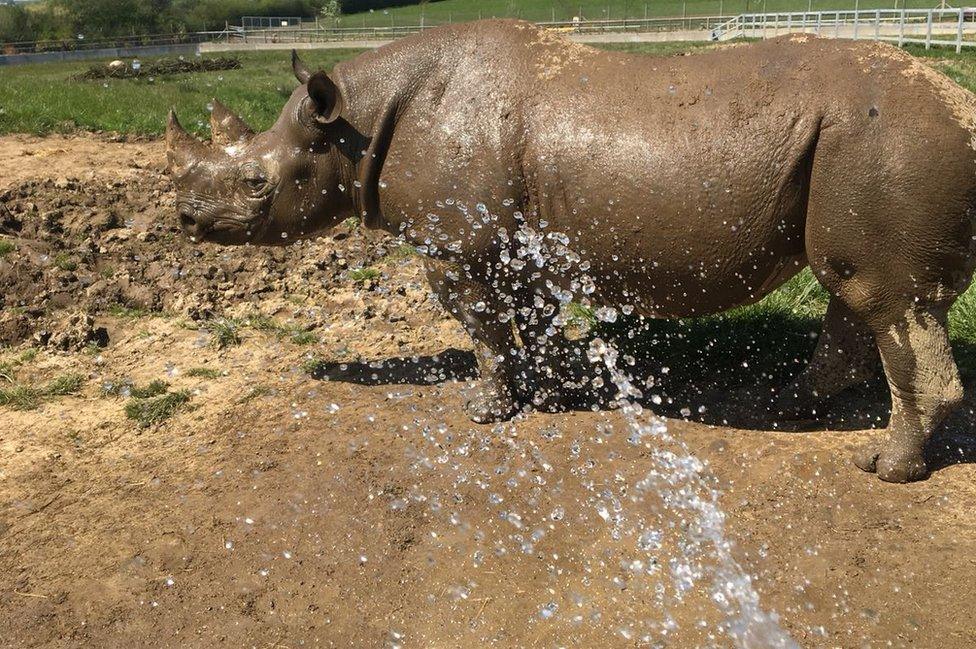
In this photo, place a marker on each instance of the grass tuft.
(147, 412)
(363, 275)
(6, 247)
(224, 333)
(255, 393)
(64, 385)
(20, 397)
(64, 262)
(289, 331)
(152, 389)
(204, 373)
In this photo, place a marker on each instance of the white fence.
(316, 32)
(929, 27)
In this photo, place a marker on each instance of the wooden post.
(962, 17)
(928, 31)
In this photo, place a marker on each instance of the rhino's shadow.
(722, 371)
(449, 365)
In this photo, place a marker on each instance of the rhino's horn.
(227, 128)
(301, 72)
(182, 149)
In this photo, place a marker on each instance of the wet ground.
(279, 508)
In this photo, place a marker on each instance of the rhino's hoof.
(892, 465)
(490, 405)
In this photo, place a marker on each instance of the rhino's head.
(263, 188)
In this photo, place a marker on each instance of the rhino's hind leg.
(473, 305)
(845, 356)
(925, 389)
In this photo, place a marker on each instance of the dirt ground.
(360, 508)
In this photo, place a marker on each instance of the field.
(446, 11)
(205, 447)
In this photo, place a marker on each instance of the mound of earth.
(264, 507)
(96, 244)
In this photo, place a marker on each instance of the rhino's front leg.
(476, 306)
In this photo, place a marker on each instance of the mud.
(282, 510)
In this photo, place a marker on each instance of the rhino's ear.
(227, 128)
(182, 149)
(326, 99)
(301, 72)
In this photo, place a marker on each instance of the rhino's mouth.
(202, 218)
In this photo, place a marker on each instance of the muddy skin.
(679, 186)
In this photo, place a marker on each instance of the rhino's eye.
(255, 180)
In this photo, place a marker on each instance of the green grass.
(42, 98)
(6, 247)
(363, 275)
(65, 262)
(204, 373)
(224, 333)
(150, 411)
(152, 389)
(128, 313)
(563, 10)
(22, 396)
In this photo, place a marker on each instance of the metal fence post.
(928, 31)
(836, 24)
(962, 16)
(819, 20)
(877, 24)
(901, 29)
(855, 23)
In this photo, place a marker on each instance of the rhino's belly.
(684, 267)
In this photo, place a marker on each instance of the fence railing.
(321, 32)
(125, 42)
(929, 27)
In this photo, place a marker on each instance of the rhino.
(532, 171)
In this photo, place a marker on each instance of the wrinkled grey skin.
(679, 186)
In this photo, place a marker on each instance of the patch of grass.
(152, 389)
(43, 98)
(148, 412)
(580, 320)
(224, 333)
(289, 331)
(65, 262)
(64, 385)
(402, 251)
(304, 338)
(204, 373)
(313, 365)
(20, 396)
(363, 275)
(256, 392)
(6, 247)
